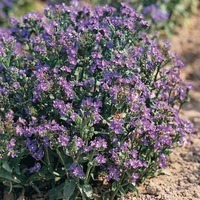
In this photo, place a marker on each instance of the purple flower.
(100, 159)
(19, 130)
(46, 141)
(38, 154)
(87, 149)
(67, 87)
(134, 153)
(65, 69)
(162, 162)
(133, 163)
(78, 142)
(11, 144)
(134, 178)
(99, 143)
(76, 171)
(73, 116)
(9, 115)
(182, 93)
(113, 173)
(35, 168)
(32, 145)
(61, 106)
(114, 155)
(124, 146)
(63, 140)
(110, 44)
(2, 51)
(22, 121)
(155, 12)
(116, 125)
(92, 109)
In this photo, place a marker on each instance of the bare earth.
(181, 178)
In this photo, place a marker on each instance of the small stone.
(196, 195)
(8, 196)
(181, 183)
(196, 151)
(152, 190)
(183, 193)
(172, 158)
(191, 179)
(40, 195)
(196, 119)
(34, 196)
(21, 198)
(183, 155)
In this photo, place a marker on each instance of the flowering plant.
(9, 8)
(88, 102)
(5, 6)
(164, 15)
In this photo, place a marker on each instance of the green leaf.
(63, 118)
(69, 189)
(55, 193)
(16, 168)
(114, 185)
(87, 189)
(6, 166)
(106, 197)
(51, 96)
(18, 114)
(122, 191)
(18, 186)
(8, 176)
(82, 193)
(134, 189)
(56, 173)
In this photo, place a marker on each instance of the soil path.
(181, 180)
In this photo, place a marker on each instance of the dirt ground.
(181, 178)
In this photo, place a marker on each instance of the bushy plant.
(88, 102)
(5, 6)
(10, 8)
(164, 15)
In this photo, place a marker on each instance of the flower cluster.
(155, 12)
(87, 93)
(9, 8)
(5, 5)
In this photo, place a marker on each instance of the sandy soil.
(181, 178)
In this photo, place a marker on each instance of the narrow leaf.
(69, 189)
(88, 191)
(6, 166)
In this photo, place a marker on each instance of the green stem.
(77, 194)
(155, 77)
(88, 173)
(47, 155)
(58, 152)
(118, 186)
(95, 86)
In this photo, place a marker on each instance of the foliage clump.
(164, 15)
(10, 8)
(87, 100)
